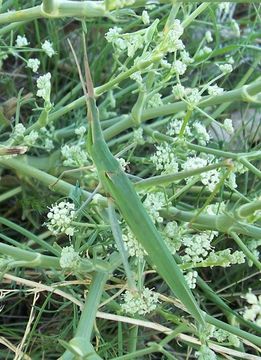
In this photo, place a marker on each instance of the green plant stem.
(167, 179)
(83, 334)
(33, 259)
(60, 186)
(10, 193)
(140, 353)
(223, 222)
(56, 9)
(247, 210)
(164, 110)
(246, 250)
(169, 109)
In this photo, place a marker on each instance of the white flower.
(216, 208)
(193, 96)
(80, 131)
(231, 181)
(205, 51)
(60, 217)
(113, 34)
(145, 17)
(214, 90)
(194, 163)
(31, 138)
(191, 279)
(18, 131)
(179, 67)
(44, 86)
(228, 126)
(132, 245)
(165, 64)
(33, 64)
(21, 41)
(201, 133)
(176, 30)
(197, 247)
(47, 47)
(123, 163)
(74, 155)
(138, 136)
(164, 159)
(140, 302)
(210, 179)
(69, 258)
(253, 312)
(208, 36)
(225, 68)
(178, 91)
(155, 100)
(205, 353)
(153, 203)
(186, 57)
(175, 127)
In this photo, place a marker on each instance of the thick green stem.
(56, 9)
(167, 179)
(34, 259)
(247, 210)
(170, 109)
(223, 222)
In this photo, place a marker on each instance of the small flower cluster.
(21, 41)
(171, 41)
(210, 179)
(130, 42)
(60, 218)
(225, 258)
(140, 302)
(34, 63)
(223, 336)
(172, 234)
(18, 136)
(191, 279)
(74, 155)
(123, 163)
(69, 258)
(216, 208)
(194, 131)
(164, 159)
(47, 47)
(44, 87)
(197, 246)
(228, 126)
(215, 90)
(132, 245)
(253, 312)
(153, 203)
(205, 353)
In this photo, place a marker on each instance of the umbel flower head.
(140, 302)
(60, 218)
(69, 258)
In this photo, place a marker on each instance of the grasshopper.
(120, 190)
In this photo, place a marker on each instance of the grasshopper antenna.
(79, 72)
(88, 76)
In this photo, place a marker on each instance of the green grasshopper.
(119, 188)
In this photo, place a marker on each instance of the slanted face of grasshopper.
(118, 187)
